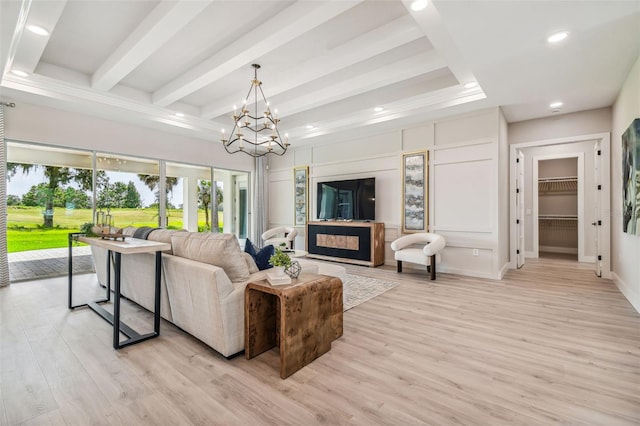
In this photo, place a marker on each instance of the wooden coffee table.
(301, 318)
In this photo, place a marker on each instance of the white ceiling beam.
(416, 105)
(375, 79)
(164, 21)
(105, 102)
(380, 40)
(301, 17)
(433, 27)
(27, 47)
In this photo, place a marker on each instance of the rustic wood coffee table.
(301, 318)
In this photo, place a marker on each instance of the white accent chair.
(411, 248)
(279, 235)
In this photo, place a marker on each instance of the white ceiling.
(325, 64)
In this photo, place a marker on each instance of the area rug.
(358, 289)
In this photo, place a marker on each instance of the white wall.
(567, 129)
(503, 191)
(560, 126)
(377, 156)
(625, 248)
(467, 184)
(32, 123)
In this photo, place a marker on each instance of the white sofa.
(204, 299)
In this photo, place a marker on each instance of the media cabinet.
(361, 243)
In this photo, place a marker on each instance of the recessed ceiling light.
(37, 29)
(418, 5)
(470, 85)
(555, 38)
(19, 73)
(554, 105)
(309, 126)
(378, 109)
(179, 114)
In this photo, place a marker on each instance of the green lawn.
(25, 232)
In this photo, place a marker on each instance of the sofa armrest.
(202, 300)
(179, 270)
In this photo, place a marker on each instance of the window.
(127, 189)
(49, 195)
(234, 187)
(191, 204)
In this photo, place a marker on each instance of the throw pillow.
(221, 250)
(260, 257)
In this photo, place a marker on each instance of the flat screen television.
(353, 199)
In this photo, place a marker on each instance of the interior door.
(520, 209)
(597, 223)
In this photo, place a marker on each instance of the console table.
(118, 248)
(361, 243)
(301, 318)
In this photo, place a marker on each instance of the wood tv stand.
(361, 243)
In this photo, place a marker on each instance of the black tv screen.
(353, 199)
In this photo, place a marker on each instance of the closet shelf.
(557, 217)
(558, 184)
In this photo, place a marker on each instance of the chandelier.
(255, 133)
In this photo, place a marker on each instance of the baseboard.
(504, 270)
(566, 250)
(465, 272)
(629, 292)
(530, 254)
(447, 270)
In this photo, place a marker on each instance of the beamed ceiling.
(325, 64)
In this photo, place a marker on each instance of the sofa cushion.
(222, 250)
(251, 264)
(164, 236)
(129, 231)
(143, 232)
(261, 257)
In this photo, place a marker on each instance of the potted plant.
(279, 260)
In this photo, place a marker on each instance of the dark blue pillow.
(261, 257)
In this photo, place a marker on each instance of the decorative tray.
(112, 236)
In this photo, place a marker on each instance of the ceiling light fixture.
(557, 37)
(20, 73)
(309, 126)
(418, 5)
(470, 85)
(378, 109)
(555, 105)
(37, 29)
(179, 114)
(258, 144)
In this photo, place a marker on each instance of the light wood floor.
(549, 344)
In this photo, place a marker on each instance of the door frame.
(536, 228)
(520, 231)
(605, 201)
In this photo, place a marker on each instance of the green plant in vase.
(280, 260)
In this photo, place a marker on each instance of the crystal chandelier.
(253, 133)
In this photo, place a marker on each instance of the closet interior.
(558, 206)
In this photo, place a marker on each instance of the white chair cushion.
(279, 235)
(276, 242)
(415, 255)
